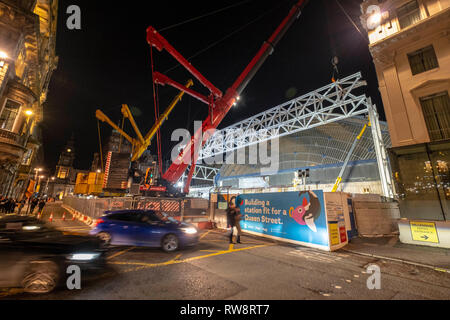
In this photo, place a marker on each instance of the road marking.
(205, 234)
(174, 261)
(120, 253)
(177, 257)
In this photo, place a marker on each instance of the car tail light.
(99, 221)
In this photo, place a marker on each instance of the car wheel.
(170, 243)
(104, 237)
(42, 277)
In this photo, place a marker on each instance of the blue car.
(144, 228)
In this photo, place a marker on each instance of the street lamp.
(37, 171)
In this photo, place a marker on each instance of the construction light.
(3, 55)
(28, 112)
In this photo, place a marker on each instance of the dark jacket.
(232, 216)
(41, 204)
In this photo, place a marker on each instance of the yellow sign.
(334, 233)
(424, 231)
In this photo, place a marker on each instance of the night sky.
(107, 63)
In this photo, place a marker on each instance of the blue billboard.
(296, 216)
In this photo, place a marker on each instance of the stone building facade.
(27, 61)
(410, 45)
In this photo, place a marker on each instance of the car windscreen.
(124, 216)
(164, 216)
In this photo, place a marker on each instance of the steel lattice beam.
(203, 173)
(334, 102)
(328, 104)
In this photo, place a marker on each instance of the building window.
(26, 161)
(436, 111)
(408, 14)
(63, 173)
(9, 115)
(423, 60)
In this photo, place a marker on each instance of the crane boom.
(148, 138)
(219, 105)
(104, 118)
(141, 144)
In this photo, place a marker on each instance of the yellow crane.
(141, 143)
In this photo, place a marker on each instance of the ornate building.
(64, 167)
(64, 180)
(410, 45)
(27, 61)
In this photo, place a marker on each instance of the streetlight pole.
(46, 186)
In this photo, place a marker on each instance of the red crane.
(218, 103)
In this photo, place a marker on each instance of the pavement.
(391, 248)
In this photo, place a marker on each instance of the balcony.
(12, 138)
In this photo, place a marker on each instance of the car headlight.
(83, 256)
(189, 230)
(30, 228)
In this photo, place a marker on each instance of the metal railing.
(11, 137)
(95, 208)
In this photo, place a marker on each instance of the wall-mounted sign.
(424, 231)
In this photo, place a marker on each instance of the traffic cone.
(64, 217)
(51, 217)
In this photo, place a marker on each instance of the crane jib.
(219, 104)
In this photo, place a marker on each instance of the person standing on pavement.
(3, 204)
(234, 218)
(41, 205)
(21, 205)
(33, 205)
(12, 205)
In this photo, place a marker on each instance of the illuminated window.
(9, 115)
(408, 14)
(436, 111)
(63, 173)
(423, 60)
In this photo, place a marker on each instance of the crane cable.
(228, 35)
(156, 104)
(204, 15)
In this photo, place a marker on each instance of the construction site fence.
(182, 209)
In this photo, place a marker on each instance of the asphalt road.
(257, 269)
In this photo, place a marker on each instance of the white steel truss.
(334, 102)
(203, 173)
(325, 105)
